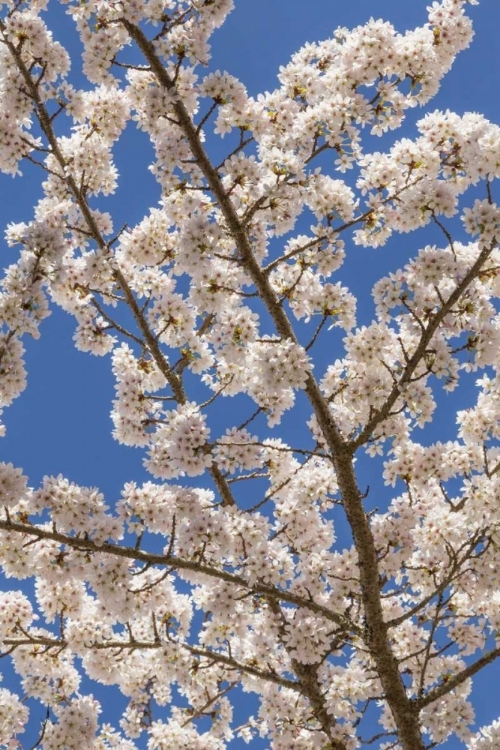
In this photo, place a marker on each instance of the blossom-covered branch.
(254, 562)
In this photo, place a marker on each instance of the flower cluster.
(16, 612)
(13, 718)
(178, 445)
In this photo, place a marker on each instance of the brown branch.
(170, 560)
(135, 645)
(452, 682)
(197, 713)
(427, 334)
(376, 637)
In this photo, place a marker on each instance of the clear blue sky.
(61, 423)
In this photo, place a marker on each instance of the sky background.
(61, 423)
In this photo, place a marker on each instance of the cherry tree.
(224, 574)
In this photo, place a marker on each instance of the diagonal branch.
(134, 645)
(405, 716)
(452, 682)
(174, 562)
(79, 196)
(427, 334)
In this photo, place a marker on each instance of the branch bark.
(376, 637)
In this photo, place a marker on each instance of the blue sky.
(61, 423)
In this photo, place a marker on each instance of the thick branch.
(405, 716)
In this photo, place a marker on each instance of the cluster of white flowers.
(74, 508)
(132, 410)
(13, 485)
(16, 612)
(487, 738)
(178, 445)
(76, 725)
(237, 450)
(13, 717)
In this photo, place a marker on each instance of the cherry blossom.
(255, 560)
